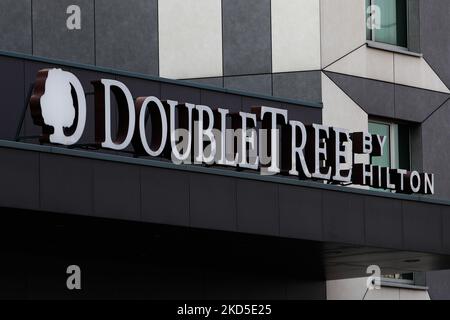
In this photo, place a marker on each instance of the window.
(406, 278)
(390, 21)
(382, 129)
(396, 153)
(417, 279)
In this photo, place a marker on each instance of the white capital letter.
(143, 108)
(208, 133)
(298, 150)
(274, 149)
(125, 133)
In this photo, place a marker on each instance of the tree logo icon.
(58, 104)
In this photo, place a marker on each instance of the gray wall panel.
(415, 136)
(300, 213)
(221, 100)
(156, 187)
(414, 25)
(126, 35)
(436, 151)
(416, 105)
(141, 87)
(19, 182)
(212, 202)
(215, 81)
(343, 216)
(422, 227)
(15, 26)
(116, 191)
(383, 220)
(66, 184)
(246, 37)
(12, 93)
(435, 42)
(375, 97)
(305, 86)
(445, 211)
(181, 94)
(260, 84)
(49, 29)
(384, 99)
(257, 205)
(438, 283)
(307, 115)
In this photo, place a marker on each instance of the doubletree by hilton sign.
(263, 139)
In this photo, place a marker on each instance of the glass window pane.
(393, 22)
(368, 30)
(402, 23)
(382, 130)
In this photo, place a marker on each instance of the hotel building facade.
(141, 227)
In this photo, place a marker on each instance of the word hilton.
(263, 139)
